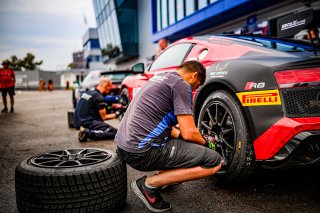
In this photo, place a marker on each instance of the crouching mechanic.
(147, 141)
(91, 113)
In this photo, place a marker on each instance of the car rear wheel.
(72, 180)
(222, 117)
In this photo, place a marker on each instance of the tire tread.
(81, 191)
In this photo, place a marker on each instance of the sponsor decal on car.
(259, 98)
(293, 24)
(220, 70)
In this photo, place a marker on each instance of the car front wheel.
(222, 118)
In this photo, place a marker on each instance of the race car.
(260, 100)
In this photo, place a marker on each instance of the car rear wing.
(291, 24)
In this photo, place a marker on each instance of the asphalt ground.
(39, 125)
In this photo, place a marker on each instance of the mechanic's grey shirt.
(152, 112)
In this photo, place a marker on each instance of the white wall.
(71, 77)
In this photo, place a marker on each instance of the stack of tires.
(72, 180)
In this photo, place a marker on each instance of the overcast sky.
(50, 29)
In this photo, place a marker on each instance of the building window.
(101, 37)
(158, 15)
(94, 44)
(111, 5)
(107, 30)
(104, 13)
(190, 7)
(213, 1)
(116, 29)
(202, 4)
(180, 9)
(95, 7)
(164, 13)
(115, 16)
(172, 12)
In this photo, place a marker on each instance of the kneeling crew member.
(147, 141)
(91, 113)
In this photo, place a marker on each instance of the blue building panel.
(206, 18)
(197, 17)
(228, 4)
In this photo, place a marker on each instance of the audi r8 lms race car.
(260, 101)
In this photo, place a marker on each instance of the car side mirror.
(138, 68)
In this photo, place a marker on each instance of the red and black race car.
(260, 101)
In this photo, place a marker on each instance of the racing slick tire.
(223, 118)
(79, 180)
(74, 100)
(71, 118)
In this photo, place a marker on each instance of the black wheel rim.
(218, 122)
(124, 100)
(70, 158)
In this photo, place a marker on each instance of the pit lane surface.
(40, 125)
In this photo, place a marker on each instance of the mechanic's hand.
(120, 112)
(209, 142)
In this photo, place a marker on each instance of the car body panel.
(267, 145)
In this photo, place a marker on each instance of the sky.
(49, 29)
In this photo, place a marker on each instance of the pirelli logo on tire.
(259, 98)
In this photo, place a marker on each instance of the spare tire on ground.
(71, 118)
(72, 180)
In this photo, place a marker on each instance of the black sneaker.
(151, 197)
(12, 110)
(82, 136)
(5, 110)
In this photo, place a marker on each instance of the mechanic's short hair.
(195, 66)
(105, 81)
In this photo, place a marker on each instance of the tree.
(15, 63)
(111, 51)
(28, 62)
(70, 66)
